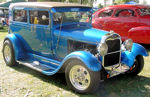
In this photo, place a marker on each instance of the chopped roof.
(47, 4)
(129, 6)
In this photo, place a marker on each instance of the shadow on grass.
(125, 86)
(4, 30)
(146, 46)
(56, 79)
(120, 85)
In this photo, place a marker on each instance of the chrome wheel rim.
(7, 53)
(79, 77)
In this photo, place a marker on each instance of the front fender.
(87, 58)
(129, 57)
(16, 45)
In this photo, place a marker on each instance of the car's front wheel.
(137, 66)
(80, 79)
(8, 53)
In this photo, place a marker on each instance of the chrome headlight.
(128, 44)
(102, 49)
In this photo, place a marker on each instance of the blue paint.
(65, 9)
(17, 46)
(87, 58)
(84, 33)
(128, 57)
(36, 42)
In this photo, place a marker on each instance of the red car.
(130, 21)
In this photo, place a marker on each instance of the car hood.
(81, 33)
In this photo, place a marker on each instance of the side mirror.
(44, 17)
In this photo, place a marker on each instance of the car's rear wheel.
(80, 79)
(137, 66)
(8, 53)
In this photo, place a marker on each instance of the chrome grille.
(113, 54)
(113, 45)
(111, 59)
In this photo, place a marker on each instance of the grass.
(20, 81)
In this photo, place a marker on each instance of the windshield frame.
(71, 9)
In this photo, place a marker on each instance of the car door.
(102, 19)
(122, 21)
(39, 38)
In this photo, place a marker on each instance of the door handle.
(31, 28)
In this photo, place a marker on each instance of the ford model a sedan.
(129, 21)
(55, 37)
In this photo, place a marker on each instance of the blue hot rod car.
(55, 37)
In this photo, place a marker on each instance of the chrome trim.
(7, 53)
(113, 52)
(125, 44)
(30, 65)
(79, 77)
(108, 37)
(122, 68)
(114, 69)
(50, 62)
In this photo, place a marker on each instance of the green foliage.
(72, 1)
(60, 0)
(100, 6)
(53, 0)
(2, 0)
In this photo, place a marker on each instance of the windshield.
(144, 11)
(70, 17)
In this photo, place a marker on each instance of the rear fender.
(140, 34)
(17, 47)
(87, 58)
(129, 57)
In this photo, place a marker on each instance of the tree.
(90, 2)
(86, 2)
(81, 1)
(2, 0)
(122, 1)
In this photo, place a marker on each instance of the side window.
(39, 17)
(106, 13)
(20, 15)
(125, 13)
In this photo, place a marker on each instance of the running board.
(36, 66)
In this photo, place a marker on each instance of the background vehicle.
(54, 37)
(129, 21)
(3, 16)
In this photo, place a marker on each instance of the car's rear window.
(20, 15)
(144, 11)
(106, 13)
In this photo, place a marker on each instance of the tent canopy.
(6, 4)
(131, 2)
